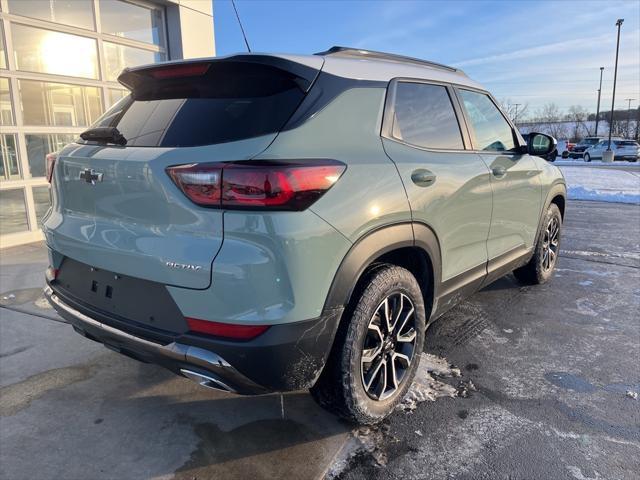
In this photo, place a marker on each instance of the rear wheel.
(587, 157)
(541, 266)
(376, 350)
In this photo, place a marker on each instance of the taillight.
(226, 330)
(50, 161)
(257, 184)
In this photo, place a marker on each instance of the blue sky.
(526, 51)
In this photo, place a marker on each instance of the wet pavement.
(555, 369)
(517, 382)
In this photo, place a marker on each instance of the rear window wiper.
(104, 135)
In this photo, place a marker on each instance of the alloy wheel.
(389, 346)
(550, 244)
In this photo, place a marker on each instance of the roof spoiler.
(133, 78)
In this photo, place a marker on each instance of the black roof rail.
(358, 52)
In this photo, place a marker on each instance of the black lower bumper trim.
(287, 357)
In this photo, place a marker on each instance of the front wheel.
(587, 157)
(377, 349)
(545, 256)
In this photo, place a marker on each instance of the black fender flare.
(375, 244)
(557, 189)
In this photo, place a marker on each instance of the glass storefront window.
(117, 57)
(46, 51)
(131, 21)
(42, 201)
(47, 103)
(13, 214)
(9, 168)
(39, 145)
(6, 108)
(3, 55)
(77, 13)
(116, 94)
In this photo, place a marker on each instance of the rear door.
(447, 185)
(115, 208)
(515, 178)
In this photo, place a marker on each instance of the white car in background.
(622, 149)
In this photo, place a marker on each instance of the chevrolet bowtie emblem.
(89, 175)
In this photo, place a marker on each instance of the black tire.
(587, 157)
(341, 387)
(565, 154)
(545, 256)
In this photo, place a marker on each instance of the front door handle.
(499, 171)
(423, 177)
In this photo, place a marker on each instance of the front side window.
(490, 129)
(424, 116)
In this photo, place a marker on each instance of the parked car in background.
(255, 223)
(582, 145)
(564, 147)
(550, 157)
(622, 150)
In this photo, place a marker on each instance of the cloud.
(549, 49)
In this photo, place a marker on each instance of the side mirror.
(540, 144)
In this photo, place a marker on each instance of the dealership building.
(59, 61)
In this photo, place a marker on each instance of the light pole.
(626, 130)
(609, 154)
(598, 107)
(515, 117)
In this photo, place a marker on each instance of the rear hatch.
(115, 207)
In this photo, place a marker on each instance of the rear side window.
(628, 143)
(232, 101)
(424, 116)
(490, 129)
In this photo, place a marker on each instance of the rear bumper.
(286, 357)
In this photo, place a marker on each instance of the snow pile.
(605, 185)
(579, 162)
(425, 385)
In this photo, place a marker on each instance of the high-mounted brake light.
(226, 330)
(179, 71)
(50, 160)
(257, 184)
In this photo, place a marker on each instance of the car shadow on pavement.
(269, 436)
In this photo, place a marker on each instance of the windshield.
(232, 101)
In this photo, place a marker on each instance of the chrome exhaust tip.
(206, 380)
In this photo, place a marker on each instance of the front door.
(515, 179)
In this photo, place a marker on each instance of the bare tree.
(549, 119)
(578, 116)
(515, 111)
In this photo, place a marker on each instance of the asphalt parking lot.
(545, 389)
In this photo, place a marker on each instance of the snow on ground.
(605, 185)
(578, 162)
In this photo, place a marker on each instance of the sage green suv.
(263, 223)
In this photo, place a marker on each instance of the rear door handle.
(499, 171)
(423, 178)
